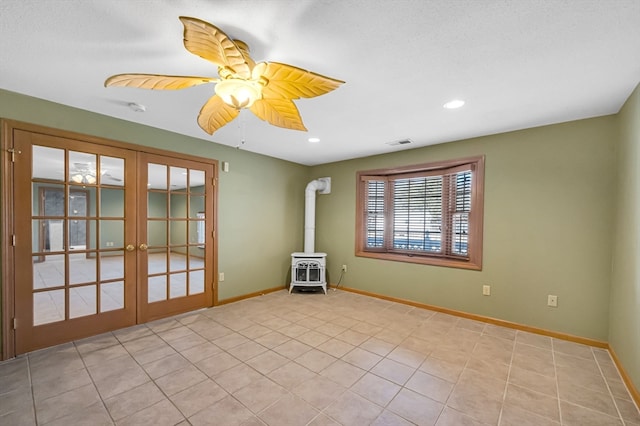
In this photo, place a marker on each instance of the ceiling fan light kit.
(80, 178)
(239, 93)
(267, 89)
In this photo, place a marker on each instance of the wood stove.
(308, 270)
(308, 267)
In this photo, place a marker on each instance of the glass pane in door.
(111, 202)
(196, 181)
(157, 288)
(196, 282)
(157, 177)
(82, 269)
(48, 307)
(67, 220)
(112, 296)
(48, 271)
(178, 287)
(178, 262)
(82, 168)
(112, 265)
(111, 171)
(157, 261)
(48, 163)
(178, 179)
(176, 231)
(82, 301)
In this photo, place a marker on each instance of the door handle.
(143, 247)
(130, 247)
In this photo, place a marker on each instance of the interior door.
(175, 236)
(75, 236)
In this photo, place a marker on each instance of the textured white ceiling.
(518, 64)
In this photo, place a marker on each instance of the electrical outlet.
(552, 301)
(486, 290)
(344, 268)
(221, 277)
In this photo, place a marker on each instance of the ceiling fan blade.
(244, 48)
(279, 112)
(215, 114)
(287, 81)
(211, 43)
(156, 82)
(110, 177)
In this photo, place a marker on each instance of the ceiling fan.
(266, 88)
(86, 173)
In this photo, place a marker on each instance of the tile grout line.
(506, 385)
(581, 405)
(366, 372)
(33, 396)
(341, 316)
(229, 394)
(86, 368)
(475, 345)
(147, 374)
(154, 382)
(606, 382)
(289, 391)
(557, 380)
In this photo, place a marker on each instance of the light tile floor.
(311, 359)
(49, 306)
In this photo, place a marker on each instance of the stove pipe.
(323, 186)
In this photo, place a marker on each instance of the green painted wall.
(549, 212)
(260, 200)
(624, 328)
(547, 229)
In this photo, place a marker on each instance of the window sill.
(470, 264)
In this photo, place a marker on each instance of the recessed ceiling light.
(456, 103)
(314, 140)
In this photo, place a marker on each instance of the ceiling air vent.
(400, 142)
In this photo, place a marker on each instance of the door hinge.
(15, 324)
(13, 154)
(13, 240)
(213, 181)
(213, 234)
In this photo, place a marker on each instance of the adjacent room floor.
(311, 359)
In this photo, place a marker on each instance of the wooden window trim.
(474, 261)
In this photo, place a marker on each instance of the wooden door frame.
(7, 214)
(7, 219)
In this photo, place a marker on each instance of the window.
(429, 213)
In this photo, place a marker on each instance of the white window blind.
(420, 212)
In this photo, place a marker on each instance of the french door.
(105, 237)
(172, 253)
